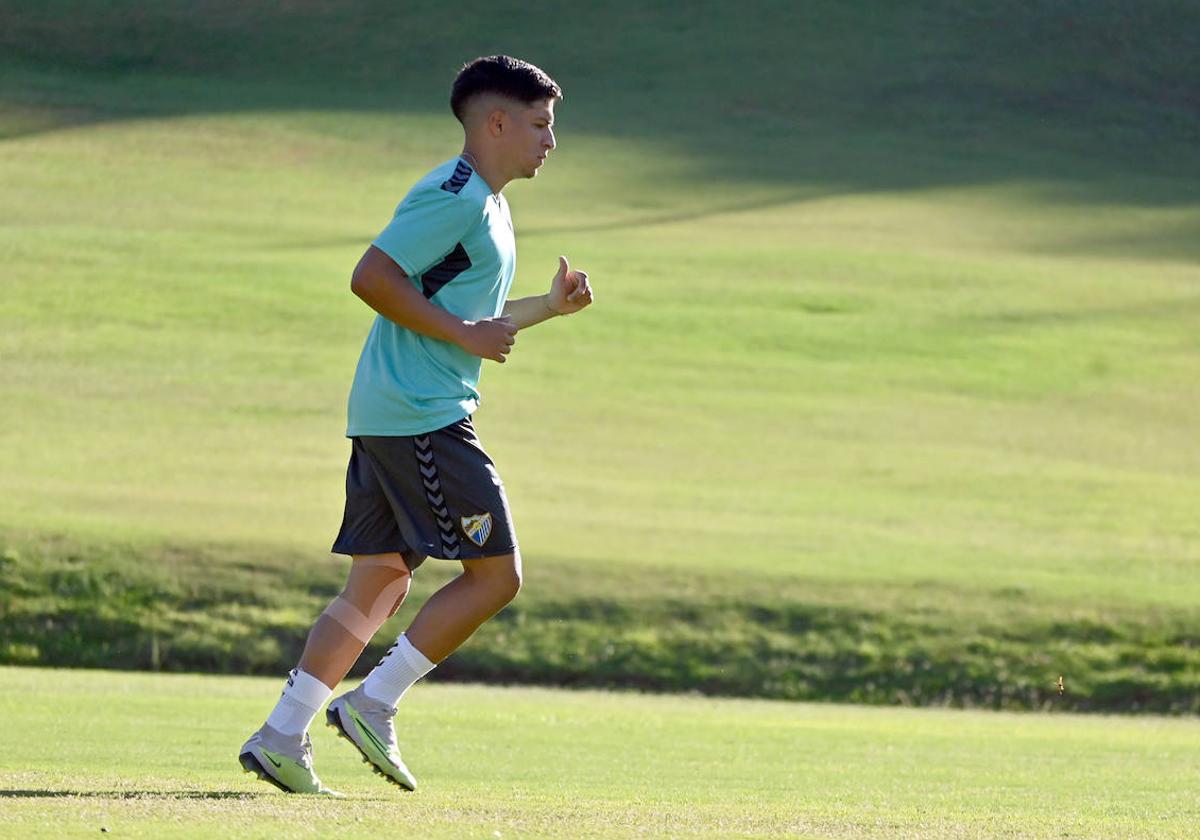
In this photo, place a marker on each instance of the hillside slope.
(890, 394)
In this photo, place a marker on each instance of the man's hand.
(491, 338)
(569, 290)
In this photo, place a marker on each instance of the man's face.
(531, 138)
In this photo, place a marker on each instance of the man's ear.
(497, 120)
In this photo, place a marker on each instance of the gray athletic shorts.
(431, 495)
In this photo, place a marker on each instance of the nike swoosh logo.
(374, 739)
(273, 761)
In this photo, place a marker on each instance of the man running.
(419, 483)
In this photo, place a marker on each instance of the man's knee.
(377, 587)
(513, 582)
(500, 574)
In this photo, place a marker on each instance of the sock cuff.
(416, 660)
(400, 667)
(305, 689)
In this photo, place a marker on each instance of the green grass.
(896, 320)
(117, 608)
(539, 763)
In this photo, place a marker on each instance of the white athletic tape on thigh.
(364, 625)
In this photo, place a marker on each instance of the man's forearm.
(525, 312)
(413, 311)
(384, 287)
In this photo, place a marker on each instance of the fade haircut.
(504, 75)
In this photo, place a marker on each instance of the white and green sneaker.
(367, 723)
(282, 760)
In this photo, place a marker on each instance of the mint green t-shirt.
(454, 239)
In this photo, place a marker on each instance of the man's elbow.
(363, 279)
(373, 273)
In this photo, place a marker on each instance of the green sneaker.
(367, 724)
(282, 760)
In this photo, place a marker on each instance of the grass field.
(526, 763)
(896, 326)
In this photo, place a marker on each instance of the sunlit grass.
(539, 763)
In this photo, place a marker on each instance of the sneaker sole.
(334, 721)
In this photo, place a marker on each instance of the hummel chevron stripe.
(433, 495)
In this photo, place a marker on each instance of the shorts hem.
(350, 552)
(478, 553)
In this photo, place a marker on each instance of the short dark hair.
(504, 75)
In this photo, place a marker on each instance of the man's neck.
(487, 169)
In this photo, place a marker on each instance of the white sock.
(302, 697)
(400, 667)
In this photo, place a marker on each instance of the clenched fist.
(491, 338)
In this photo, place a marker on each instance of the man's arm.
(569, 292)
(385, 287)
(525, 312)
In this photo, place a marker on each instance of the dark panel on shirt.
(454, 264)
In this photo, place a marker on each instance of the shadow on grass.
(820, 98)
(128, 794)
(868, 95)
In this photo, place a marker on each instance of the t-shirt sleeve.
(427, 226)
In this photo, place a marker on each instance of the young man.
(419, 484)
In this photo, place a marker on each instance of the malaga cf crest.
(477, 528)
